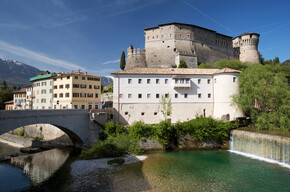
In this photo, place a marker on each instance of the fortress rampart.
(169, 43)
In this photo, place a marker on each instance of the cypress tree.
(122, 61)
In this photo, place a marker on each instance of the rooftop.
(22, 90)
(63, 74)
(174, 71)
(39, 77)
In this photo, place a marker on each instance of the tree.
(132, 47)
(166, 108)
(265, 96)
(261, 58)
(14, 87)
(182, 64)
(233, 64)
(276, 60)
(122, 61)
(4, 85)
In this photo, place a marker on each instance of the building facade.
(167, 44)
(76, 91)
(137, 94)
(42, 86)
(19, 99)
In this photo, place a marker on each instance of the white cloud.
(20, 51)
(109, 62)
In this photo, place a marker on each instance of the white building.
(42, 91)
(137, 93)
(29, 97)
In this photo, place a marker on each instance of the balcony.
(181, 82)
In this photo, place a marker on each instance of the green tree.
(265, 96)
(276, 60)
(122, 61)
(261, 58)
(4, 85)
(233, 64)
(182, 64)
(166, 108)
(132, 47)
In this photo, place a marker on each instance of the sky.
(66, 35)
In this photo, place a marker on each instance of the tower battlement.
(135, 58)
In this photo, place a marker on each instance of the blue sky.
(66, 35)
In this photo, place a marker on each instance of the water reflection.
(39, 167)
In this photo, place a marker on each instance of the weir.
(270, 148)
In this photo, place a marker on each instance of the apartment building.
(19, 99)
(42, 86)
(76, 91)
(137, 94)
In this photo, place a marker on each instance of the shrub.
(126, 143)
(165, 134)
(103, 149)
(139, 130)
(113, 129)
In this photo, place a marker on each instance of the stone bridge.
(81, 126)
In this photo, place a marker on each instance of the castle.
(167, 44)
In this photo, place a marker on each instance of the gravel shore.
(89, 174)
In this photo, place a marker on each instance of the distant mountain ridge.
(16, 73)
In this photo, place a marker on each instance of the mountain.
(106, 80)
(16, 73)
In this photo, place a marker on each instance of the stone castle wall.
(167, 44)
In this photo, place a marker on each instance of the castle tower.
(135, 59)
(247, 45)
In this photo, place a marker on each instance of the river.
(213, 170)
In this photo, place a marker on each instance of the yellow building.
(76, 91)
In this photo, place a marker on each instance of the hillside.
(16, 73)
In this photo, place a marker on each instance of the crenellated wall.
(135, 59)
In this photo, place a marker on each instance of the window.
(90, 95)
(198, 81)
(96, 106)
(185, 95)
(187, 81)
(157, 95)
(76, 94)
(208, 81)
(148, 37)
(83, 94)
(66, 94)
(148, 95)
(148, 81)
(176, 95)
(157, 81)
(166, 81)
(76, 106)
(129, 81)
(83, 78)
(61, 86)
(209, 95)
(120, 95)
(68, 77)
(90, 86)
(126, 112)
(199, 95)
(76, 85)
(96, 87)
(61, 95)
(67, 86)
(83, 86)
(83, 106)
(55, 95)
(54, 107)
(139, 96)
(142, 113)
(96, 95)
(176, 81)
(166, 95)
(155, 113)
(139, 81)
(76, 77)
(234, 79)
(50, 91)
(43, 100)
(129, 95)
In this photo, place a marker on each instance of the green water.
(199, 171)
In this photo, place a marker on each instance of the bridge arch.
(75, 123)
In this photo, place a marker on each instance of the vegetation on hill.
(225, 63)
(5, 94)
